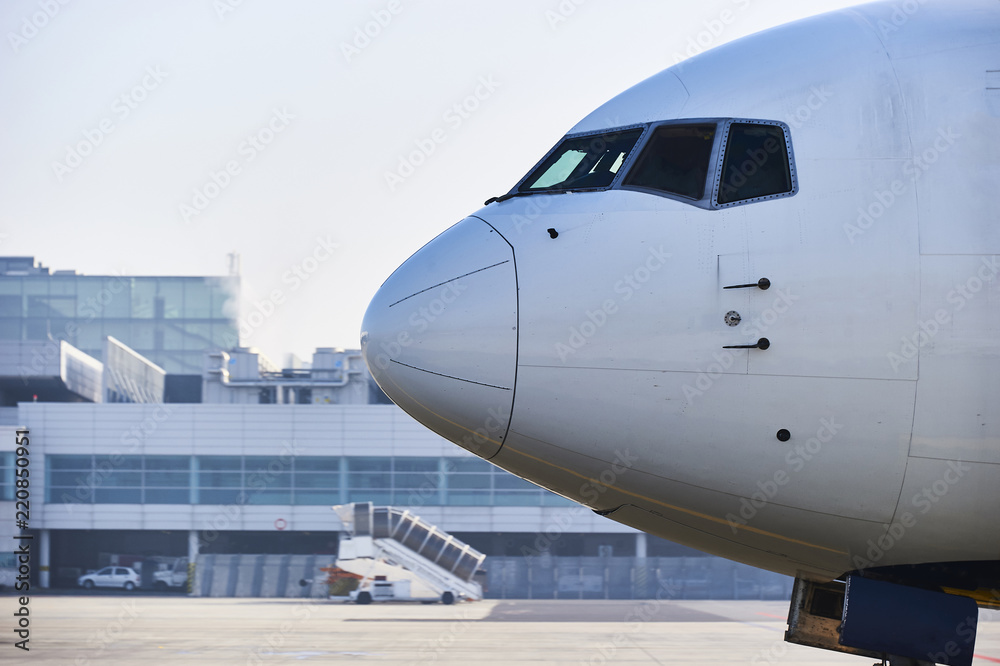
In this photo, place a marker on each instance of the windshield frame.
(724, 130)
(709, 198)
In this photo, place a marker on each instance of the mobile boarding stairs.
(376, 536)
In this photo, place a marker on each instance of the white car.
(122, 577)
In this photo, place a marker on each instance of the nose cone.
(440, 336)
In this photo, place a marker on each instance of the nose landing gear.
(879, 619)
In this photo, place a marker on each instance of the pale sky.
(119, 121)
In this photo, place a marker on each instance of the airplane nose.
(440, 336)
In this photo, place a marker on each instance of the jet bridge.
(385, 534)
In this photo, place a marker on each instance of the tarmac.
(112, 628)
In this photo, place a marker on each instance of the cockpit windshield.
(709, 163)
(676, 160)
(582, 163)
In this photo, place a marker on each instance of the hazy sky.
(155, 138)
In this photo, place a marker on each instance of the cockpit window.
(756, 164)
(708, 163)
(676, 159)
(582, 163)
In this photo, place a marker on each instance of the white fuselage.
(593, 363)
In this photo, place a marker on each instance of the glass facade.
(169, 320)
(281, 480)
(7, 476)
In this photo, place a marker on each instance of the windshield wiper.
(511, 195)
(504, 197)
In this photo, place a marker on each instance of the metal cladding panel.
(930, 27)
(164, 516)
(827, 76)
(958, 352)
(823, 316)
(954, 136)
(947, 512)
(604, 293)
(909, 622)
(662, 96)
(440, 336)
(722, 440)
(659, 525)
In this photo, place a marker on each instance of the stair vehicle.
(383, 541)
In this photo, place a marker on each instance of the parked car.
(123, 577)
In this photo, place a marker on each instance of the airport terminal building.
(133, 456)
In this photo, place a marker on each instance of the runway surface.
(117, 629)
